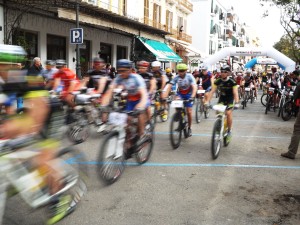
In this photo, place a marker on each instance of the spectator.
(48, 73)
(36, 68)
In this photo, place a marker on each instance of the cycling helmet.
(124, 63)
(143, 64)
(50, 62)
(12, 54)
(60, 63)
(168, 70)
(226, 68)
(203, 67)
(181, 66)
(249, 71)
(156, 64)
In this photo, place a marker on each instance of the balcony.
(172, 2)
(154, 23)
(185, 6)
(181, 36)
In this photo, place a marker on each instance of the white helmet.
(203, 67)
(156, 64)
(249, 71)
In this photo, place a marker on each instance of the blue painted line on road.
(150, 164)
(242, 136)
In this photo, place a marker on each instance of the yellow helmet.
(168, 70)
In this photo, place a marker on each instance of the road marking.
(150, 164)
(241, 136)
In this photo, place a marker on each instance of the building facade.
(112, 29)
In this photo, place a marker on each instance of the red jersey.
(239, 80)
(66, 75)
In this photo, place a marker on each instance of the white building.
(215, 27)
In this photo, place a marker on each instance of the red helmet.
(143, 64)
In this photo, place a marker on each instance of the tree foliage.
(290, 21)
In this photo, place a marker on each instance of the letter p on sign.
(76, 36)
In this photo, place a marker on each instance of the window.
(105, 52)
(146, 8)
(169, 20)
(156, 15)
(56, 47)
(121, 52)
(28, 40)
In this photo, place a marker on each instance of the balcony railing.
(154, 23)
(181, 36)
(185, 5)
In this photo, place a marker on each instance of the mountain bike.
(220, 131)
(271, 103)
(122, 143)
(289, 109)
(20, 176)
(160, 107)
(200, 108)
(179, 123)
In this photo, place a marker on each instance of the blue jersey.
(184, 84)
(133, 84)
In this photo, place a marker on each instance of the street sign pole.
(78, 69)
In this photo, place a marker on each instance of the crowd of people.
(140, 80)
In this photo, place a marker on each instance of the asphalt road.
(248, 184)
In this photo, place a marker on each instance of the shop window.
(121, 52)
(105, 52)
(28, 40)
(56, 47)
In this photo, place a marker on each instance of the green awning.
(162, 51)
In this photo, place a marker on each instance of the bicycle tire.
(216, 139)
(79, 131)
(153, 114)
(264, 99)
(175, 142)
(143, 155)
(252, 97)
(199, 111)
(268, 105)
(280, 107)
(287, 111)
(110, 169)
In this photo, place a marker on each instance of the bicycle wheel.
(76, 172)
(79, 131)
(145, 149)
(252, 97)
(245, 99)
(199, 111)
(281, 102)
(269, 104)
(216, 139)
(287, 111)
(176, 130)
(264, 99)
(153, 114)
(110, 166)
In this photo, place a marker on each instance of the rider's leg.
(229, 119)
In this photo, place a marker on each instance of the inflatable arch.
(263, 61)
(287, 64)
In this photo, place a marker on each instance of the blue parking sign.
(76, 36)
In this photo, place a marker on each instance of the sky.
(268, 29)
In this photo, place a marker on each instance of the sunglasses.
(181, 71)
(224, 71)
(122, 71)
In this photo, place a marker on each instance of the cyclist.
(135, 86)
(187, 90)
(98, 79)
(143, 67)
(161, 81)
(249, 80)
(205, 80)
(31, 122)
(228, 94)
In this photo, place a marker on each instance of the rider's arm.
(210, 94)
(101, 84)
(163, 81)
(152, 85)
(235, 94)
(108, 95)
(56, 83)
(143, 102)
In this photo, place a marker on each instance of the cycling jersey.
(67, 76)
(248, 80)
(158, 76)
(133, 84)
(95, 75)
(239, 80)
(147, 77)
(170, 77)
(226, 86)
(206, 81)
(185, 83)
